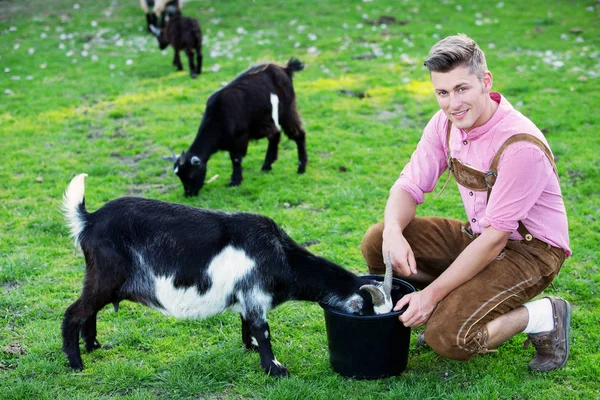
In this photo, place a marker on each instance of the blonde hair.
(454, 51)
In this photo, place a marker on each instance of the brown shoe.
(552, 347)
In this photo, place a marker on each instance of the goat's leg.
(75, 319)
(236, 175)
(247, 339)
(190, 56)
(177, 61)
(88, 334)
(199, 60)
(292, 126)
(259, 331)
(272, 150)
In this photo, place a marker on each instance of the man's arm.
(400, 209)
(474, 258)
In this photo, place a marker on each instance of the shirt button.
(470, 193)
(473, 220)
(465, 142)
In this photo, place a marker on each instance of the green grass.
(65, 110)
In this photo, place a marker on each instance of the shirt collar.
(504, 107)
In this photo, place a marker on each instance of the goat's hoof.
(76, 365)
(92, 346)
(302, 169)
(193, 76)
(234, 183)
(266, 168)
(278, 371)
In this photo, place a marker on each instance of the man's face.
(463, 97)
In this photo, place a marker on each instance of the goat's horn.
(375, 293)
(387, 280)
(155, 30)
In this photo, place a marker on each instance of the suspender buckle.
(485, 178)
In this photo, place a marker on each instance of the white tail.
(72, 200)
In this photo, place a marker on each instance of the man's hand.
(420, 307)
(401, 255)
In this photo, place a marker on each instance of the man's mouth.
(459, 114)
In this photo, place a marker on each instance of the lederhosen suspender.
(480, 181)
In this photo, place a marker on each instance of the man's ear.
(487, 81)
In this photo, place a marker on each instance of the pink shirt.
(527, 189)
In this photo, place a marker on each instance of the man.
(477, 278)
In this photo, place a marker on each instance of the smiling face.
(464, 97)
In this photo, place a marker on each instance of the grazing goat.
(182, 33)
(250, 107)
(159, 9)
(194, 263)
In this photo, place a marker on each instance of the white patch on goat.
(266, 334)
(254, 341)
(72, 199)
(225, 270)
(256, 300)
(275, 110)
(277, 363)
(176, 170)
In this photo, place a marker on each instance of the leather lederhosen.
(474, 179)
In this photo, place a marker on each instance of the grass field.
(84, 88)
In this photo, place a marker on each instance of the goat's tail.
(74, 206)
(293, 65)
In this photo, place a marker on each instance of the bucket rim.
(391, 314)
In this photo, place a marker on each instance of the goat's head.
(160, 36)
(191, 170)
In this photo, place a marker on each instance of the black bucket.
(371, 346)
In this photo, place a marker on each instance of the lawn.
(84, 88)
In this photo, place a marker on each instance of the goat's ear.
(195, 161)
(356, 303)
(376, 294)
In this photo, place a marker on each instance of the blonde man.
(478, 277)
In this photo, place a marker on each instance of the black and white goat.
(194, 263)
(159, 11)
(252, 106)
(182, 33)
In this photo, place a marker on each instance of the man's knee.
(445, 340)
(371, 248)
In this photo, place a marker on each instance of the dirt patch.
(14, 349)
(12, 285)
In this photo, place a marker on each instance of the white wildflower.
(84, 53)
(43, 35)
(293, 22)
(215, 68)
(301, 28)
(69, 53)
(31, 50)
(29, 77)
(359, 26)
(241, 31)
(94, 23)
(76, 6)
(458, 7)
(438, 26)
(313, 50)
(16, 46)
(12, 28)
(478, 22)
(579, 39)
(15, 78)
(500, 5)
(9, 92)
(111, 66)
(129, 62)
(558, 64)
(62, 36)
(312, 36)
(345, 25)
(564, 36)
(491, 46)
(297, 44)
(7, 69)
(43, 66)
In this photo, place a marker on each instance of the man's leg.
(486, 311)
(436, 242)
